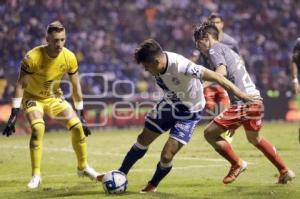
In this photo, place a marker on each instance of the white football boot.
(88, 172)
(35, 182)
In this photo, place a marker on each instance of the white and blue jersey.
(180, 109)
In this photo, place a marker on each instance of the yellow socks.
(78, 142)
(36, 145)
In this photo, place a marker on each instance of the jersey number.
(248, 84)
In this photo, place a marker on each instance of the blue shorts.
(164, 117)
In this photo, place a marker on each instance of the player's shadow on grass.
(84, 190)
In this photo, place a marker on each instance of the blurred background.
(104, 34)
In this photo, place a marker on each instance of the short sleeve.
(236, 46)
(189, 68)
(216, 57)
(194, 70)
(73, 65)
(27, 64)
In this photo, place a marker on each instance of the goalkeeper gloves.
(10, 126)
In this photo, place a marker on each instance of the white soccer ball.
(114, 182)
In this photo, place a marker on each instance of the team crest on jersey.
(175, 80)
(195, 72)
(63, 68)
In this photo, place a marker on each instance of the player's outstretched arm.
(16, 104)
(78, 101)
(209, 75)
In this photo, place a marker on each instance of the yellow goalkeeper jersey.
(46, 72)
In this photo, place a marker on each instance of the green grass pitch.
(197, 173)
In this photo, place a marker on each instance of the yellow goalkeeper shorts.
(52, 106)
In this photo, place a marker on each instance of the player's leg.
(156, 122)
(213, 133)
(210, 99)
(180, 135)
(269, 150)
(62, 111)
(165, 164)
(252, 126)
(34, 114)
(223, 101)
(138, 150)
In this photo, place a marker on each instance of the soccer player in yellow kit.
(38, 91)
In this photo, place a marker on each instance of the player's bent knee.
(207, 134)
(253, 141)
(72, 123)
(166, 157)
(38, 129)
(146, 137)
(141, 139)
(77, 133)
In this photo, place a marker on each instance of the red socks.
(270, 152)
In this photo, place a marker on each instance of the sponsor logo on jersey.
(47, 84)
(181, 134)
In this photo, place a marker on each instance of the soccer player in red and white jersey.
(216, 96)
(239, 113)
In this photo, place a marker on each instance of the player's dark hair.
(147, 51)
(204, 29)
(214, 15)
(55, 26)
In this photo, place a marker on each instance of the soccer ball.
(114, 182)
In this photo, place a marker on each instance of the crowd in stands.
(104, 34)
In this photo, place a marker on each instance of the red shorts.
(249, 115)
(216, 95)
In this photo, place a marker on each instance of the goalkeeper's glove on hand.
(10, 126)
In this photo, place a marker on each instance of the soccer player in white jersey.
(249, 115)
(180, 109)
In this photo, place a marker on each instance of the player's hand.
(86, 129)
(10, 126)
